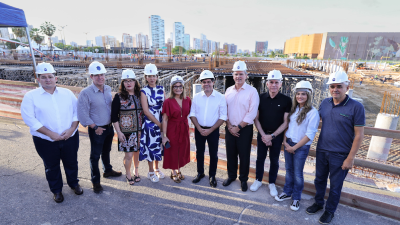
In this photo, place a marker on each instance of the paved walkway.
(25, 197)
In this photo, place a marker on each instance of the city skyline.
(258, 20)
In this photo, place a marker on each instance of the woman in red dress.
(175, 127)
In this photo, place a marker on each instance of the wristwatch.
(273, 136)
(95, 127)
(240, 127)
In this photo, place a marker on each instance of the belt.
(205, 127)
(106, 126)
(269, 132)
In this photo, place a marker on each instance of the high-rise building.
(99, 41)
(261, 46)
(89, 43)
(157, 32)
(233, 49)
(210, 46)
(54, 39)
(187, 42)
(179, 34)
(109, 40)
(73, 44)
(127, 39)
(226, 47)
(196, 44)
(144, 40)
(4, 33)
(203, 43)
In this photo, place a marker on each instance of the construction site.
(380, 171)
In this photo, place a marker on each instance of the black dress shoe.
(228, 181)
(112, 173)
(97, 188)
(326, 218)
(197, 178)
(78, 190)
(213, 182)
(244, 186)
(58, 197)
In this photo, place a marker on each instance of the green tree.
(175, 50)
(59, 45)
(48, 29)
(272, 54)
(34, 33)
(12, 45)
(18, 32)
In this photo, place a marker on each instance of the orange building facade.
(305, 45)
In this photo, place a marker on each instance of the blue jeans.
(51, 154)
(329, 164)
(294, 163)
(100, 146)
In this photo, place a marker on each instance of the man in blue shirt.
(343, 121)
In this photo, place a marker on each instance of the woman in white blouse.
(303, 124)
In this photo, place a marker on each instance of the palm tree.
(48, 29)
(19, 32)
(34, 33)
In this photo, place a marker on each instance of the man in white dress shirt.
(51, 114)
(208, 113)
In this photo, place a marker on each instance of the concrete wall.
(361, 45)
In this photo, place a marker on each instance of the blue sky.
(233, 21)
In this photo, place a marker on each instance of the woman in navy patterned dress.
(152, 99)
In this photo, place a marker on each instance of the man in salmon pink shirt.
(242, 100)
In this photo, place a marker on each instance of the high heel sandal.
(175, 178)
(181, 177)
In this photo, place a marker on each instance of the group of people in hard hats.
(154, 127)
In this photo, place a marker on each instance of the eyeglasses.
(129, 81)
(178, 87)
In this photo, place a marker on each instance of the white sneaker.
(256, 185)
(295, 205)
(282, 197)
(272, 190)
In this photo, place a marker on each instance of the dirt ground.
(371, 92)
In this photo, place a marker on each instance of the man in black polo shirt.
(271, 121)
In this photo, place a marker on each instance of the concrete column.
(354, 67)
(380, 146)
(89, 81)
(350, 93)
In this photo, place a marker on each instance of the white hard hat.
(97, 68)
(176, 79)
(239, 66)
(274, 75)
(43, 68)
(128, 74)
(303, 85)
(337, 77)
(150, 69)
(206, 74)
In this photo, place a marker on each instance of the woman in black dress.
(127, 116)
